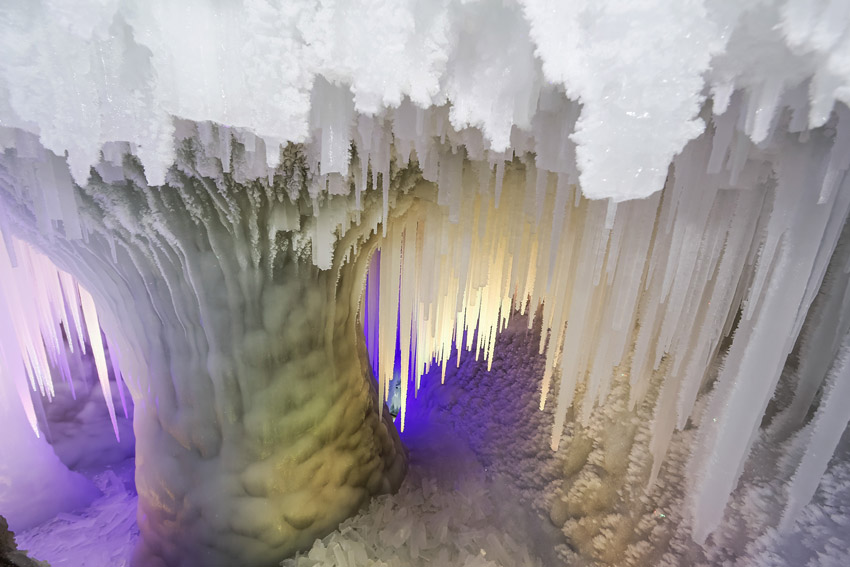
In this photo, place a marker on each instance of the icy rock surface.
(10, 555)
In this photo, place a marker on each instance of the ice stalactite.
(821, 338)
(799, 238)
(34, 484)
(819, 388)
(824, 433)
(626, 288)
(38, 303)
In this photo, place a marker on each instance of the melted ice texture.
(108, 70)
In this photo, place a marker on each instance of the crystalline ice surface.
(550, 130)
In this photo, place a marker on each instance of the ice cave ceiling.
(664, 183)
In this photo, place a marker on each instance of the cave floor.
(481, 482)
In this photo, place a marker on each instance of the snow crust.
(123, 71)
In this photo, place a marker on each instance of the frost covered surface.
(471, 455)
(818, 536)
(226, 165)
(640, 72)
(592, 488)
(446, 513)
(102, 535)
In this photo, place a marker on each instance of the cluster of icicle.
(640, 288)
(645, 289)
(47, 317)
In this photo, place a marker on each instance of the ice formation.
(659, 176)
(43, 325)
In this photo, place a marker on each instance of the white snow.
(286, 72)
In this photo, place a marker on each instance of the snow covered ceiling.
(84, 73)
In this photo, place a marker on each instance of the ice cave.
(402, 283)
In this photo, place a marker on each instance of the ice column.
(257, 424)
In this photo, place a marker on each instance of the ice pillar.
(256, 418)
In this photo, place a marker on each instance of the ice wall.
(34, 484)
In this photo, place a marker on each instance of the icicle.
(334, 105)
(70, 291)
(500, 175)
(406, 309)
(90, 315)
(839, 157)
(119, 379)
(761, 108)
(610, 214)
(13, 366)
(724, 129)
(825, 432)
